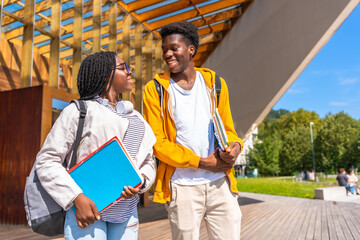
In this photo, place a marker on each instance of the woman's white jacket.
(100, 126)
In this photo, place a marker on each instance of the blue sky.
(331, 82)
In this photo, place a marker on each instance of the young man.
(194, 179)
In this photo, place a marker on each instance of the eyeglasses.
(126, 67)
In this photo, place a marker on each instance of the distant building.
(243, 159)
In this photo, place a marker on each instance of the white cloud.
(348, 81)
(339, 103)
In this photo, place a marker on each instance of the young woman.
(101, 80)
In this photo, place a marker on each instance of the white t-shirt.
(194, 129)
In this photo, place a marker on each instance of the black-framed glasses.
(126, 67)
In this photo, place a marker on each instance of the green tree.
(295, 153)
(295, 120)
(269, 127)
(274, 115)
(294, 130)
(353, 153)
(265, 156)
(337, 141)
(285, 145)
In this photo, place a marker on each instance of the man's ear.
(191, 49)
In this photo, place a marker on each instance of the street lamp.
(312, 146)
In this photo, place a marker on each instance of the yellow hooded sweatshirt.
(172, 155)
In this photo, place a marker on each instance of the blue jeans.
(101, 230)
(352, 188)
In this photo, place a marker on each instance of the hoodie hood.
(209, 76)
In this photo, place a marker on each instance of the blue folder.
(104, 173)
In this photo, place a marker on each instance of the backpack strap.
(217, 89)
(159, 90)
(81, 106)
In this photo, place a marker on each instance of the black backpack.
(43, 214)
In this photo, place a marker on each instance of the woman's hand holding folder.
(130, 192)
(86, 211)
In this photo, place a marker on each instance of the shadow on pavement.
(246, 201)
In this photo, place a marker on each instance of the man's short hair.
(184, 28)
(342, 170)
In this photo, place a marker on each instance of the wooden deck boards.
(264, 217)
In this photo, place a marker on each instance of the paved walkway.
(264, 217)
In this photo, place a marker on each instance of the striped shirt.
(122, 210)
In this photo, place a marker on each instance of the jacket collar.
(209, 76)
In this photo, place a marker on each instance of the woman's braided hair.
(94, 74)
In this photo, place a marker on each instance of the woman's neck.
(112, 97)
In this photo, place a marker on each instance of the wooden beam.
(138, 67)
(136, 5)
(224, 26)
(196, 12)
(158, 56)
(65, 15)
(112, 26)
(38, 14)
(200, 60)
(229, 14)
(213, 37)
(1, 14)
(9, 2)
(86, 36)
(55, 44)
(168, 8)
(200, 56)
(96, 32)
(126, 45)
(27, 47)
(45, 33)
(135, 16)
(148, 50)
(87, 22)
(206, 48)
(39, 7)
(77, 54)
(65, 53)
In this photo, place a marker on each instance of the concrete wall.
(268, 48)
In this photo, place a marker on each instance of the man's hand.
(231, 153)
(214, 164)
(130, 192)
(85, 210)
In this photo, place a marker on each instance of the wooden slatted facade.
(111, 26)
(42, 44)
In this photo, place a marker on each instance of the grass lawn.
(280, 186)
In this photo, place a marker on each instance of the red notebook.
(103, 174)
